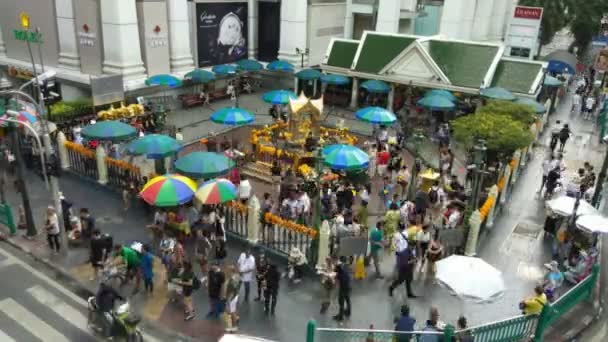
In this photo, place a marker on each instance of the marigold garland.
(486, 207)
(238, 206)
(501, 183)
(80, 149)
(298, 228)
(512, 164)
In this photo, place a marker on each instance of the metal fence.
(236, 221)
(363, 335)
(120, 177)
(83, 164)
(6, 217)
(513, 329)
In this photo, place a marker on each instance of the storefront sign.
(221, 32)
(601, 63)
(87, 38)
(24, 35)
(157, 42)
(525, 12)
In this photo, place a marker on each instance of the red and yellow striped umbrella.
(168, 190)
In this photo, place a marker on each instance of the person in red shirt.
(383, 157)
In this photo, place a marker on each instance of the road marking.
(67, 312)
(5, 338)
(6, 262)
(601, 335)
(31, 322)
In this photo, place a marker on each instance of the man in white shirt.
(179, 136)
(244, 189)
(52, 229)
(589, 103)
(548, 165)
(246, 264)
(576, 102)
(304, 206)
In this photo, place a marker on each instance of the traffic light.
(51, 91)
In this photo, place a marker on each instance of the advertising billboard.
(523, 32)
(221, 32)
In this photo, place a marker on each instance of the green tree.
(555, 17)
(502, 134)
(516, 111)
(586, 22)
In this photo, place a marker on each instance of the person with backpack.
(188, 282)
(436, 197)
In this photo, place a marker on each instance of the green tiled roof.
(378, 50)
(342, 54)
(464, 64)
(516, 76)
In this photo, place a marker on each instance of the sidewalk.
(515, 245)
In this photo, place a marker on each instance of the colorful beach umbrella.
(376, 86)
(23, 116)
(539, 108)
(204, 164)
(200, 76)
(309, 74)
(436, 102)
(109, 130)
(280, 65)
(232, 116)
(345, 157)
(216, 191)
(497, 93)
(225, 69)
(168, 190)
(279, 96)
(164, 80)
(154, 146)
(335, 79)
(376, 115)
(249, 65)
(442, 92)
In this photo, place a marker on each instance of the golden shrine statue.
(121, 112)
(305, 118)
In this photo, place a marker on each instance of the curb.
(83, 292)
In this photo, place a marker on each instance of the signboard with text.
(522, 37)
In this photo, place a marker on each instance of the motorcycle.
(123, 322)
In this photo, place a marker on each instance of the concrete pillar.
(354, 93)
(168, 164)
(122, 51)
(295, 85)
(505, 189)
(490, 218)
(388, 15)
(252, 28)
(179, 30)
(294, 29)
(391, 98)
(499, 16)
(314, 88)
(482, 20)
(102, 167)
(457, 19)
(63, 151)
(349, 20)
(66, 34)
(323, 252)
(2, 45)
(474, 227)
(515, 171)
(253, 220)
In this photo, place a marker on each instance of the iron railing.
(84, 165)
(513, 329)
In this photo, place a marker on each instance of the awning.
(561, 61)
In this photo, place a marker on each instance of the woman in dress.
(434, 252)
(232, 286)
(391, 222)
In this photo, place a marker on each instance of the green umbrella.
(204, 165)
(551, 81)
(442, 92)
(200, 76)
(539, 108)
(249, 65)
(154, 146)
(436, 102)
(109, 130)
(497, 93)
(279, 96)
(345, 157)
(309, 74)
(164, 80)
(376, 115)
(232, 116)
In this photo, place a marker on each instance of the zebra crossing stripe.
(61, 308)
(30, 322)
(5, 338)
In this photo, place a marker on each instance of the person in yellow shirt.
(534, 305)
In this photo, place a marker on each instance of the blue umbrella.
(345, 157)
(497, 93)
(335, 79)
(109, 130)
(442, 92)
(249, 65)
(279, 96)
(154, 146)
(376, 115)
(164, 80)
(309, 74)
(232, 116)
(376, 86)
(538, 107)
(224, 69)
(204, 164)
(200, 76)
(279, 65)
(436, 102)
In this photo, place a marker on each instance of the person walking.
(548, 165)
(147, 268)
(260, 275)
(271, 291)
(215, 283)
(246, 265)
(376, 238)
(97, 253)
(187, 282)
(328, 282)
(231, 294)
(564, 135)
(344, 289)
(405, 264)
(52, 229)
(405, 323)
(202, 251)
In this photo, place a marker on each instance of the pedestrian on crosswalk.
(52, 229)
(147, 268)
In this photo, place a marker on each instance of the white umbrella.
(564, 206)
(593, 223)
(470, 277)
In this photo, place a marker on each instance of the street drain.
(528, 229)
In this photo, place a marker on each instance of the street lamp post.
(417, 139)
(479, 156)
(302, 53)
